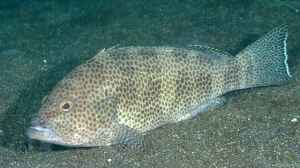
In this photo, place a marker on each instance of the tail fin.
(264, 62)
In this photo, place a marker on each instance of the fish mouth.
(44, 134)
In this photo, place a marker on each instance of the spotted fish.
(123, 92)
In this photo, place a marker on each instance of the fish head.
(71, 116)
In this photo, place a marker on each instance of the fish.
(122, 93)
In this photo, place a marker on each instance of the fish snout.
(43, 134)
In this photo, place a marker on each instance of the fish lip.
(44, 134)
(49, 136)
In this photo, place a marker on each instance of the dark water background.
(40, 41)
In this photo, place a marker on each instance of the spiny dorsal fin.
(101, 53)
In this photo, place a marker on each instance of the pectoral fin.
(129, 136)
(133, 140)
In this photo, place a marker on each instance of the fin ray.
(210, 51)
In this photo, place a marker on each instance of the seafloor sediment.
(41, 41)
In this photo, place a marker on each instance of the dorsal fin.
(100, 54)
(210, 51)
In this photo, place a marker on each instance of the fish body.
(124, 92)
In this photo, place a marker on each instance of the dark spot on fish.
(66, 106)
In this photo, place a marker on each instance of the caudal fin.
(264, 62)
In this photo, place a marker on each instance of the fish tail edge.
(265, 62)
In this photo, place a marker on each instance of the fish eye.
(66, 106)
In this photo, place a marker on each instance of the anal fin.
(210, 105)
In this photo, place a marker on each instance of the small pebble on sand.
(294, 120)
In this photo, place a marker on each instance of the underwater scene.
(150, 84)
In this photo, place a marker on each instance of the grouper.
(122, 93)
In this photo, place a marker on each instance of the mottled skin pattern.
(122, 93)
(134, 89)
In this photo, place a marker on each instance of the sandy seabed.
(41, 41)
